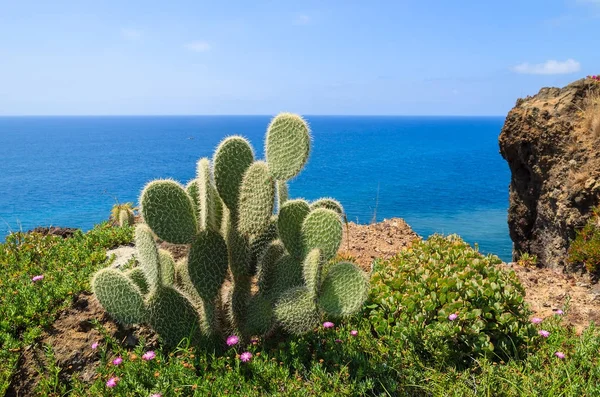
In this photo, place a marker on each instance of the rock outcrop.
(551, 142)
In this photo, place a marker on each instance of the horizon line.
(247, 115)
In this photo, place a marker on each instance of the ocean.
(441, 174)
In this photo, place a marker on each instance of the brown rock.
(554, 159)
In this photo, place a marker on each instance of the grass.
(26, 307)
(326, 362)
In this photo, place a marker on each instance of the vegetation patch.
(585, 249)
(367, 354)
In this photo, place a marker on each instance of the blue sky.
(462, 57)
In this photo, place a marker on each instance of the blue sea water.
(440, 174)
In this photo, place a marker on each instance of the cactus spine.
(237, 219)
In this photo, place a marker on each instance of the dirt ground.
(71, 337)
(73, 333)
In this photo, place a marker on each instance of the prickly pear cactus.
(123, 215)
(256, 257)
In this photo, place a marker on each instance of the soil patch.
(71, 337)
(382, 240)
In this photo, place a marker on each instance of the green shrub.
(416, 296)
(585, 249)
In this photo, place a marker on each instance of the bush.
(585, 249)
(450, 304)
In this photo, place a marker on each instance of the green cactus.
(255, 257)
(209, 203)
(311, 271)
(166, 267)
(287, 145)
(259, 315)
(344, 290)
(282, 194)
(231, 160)
(137, 276)
(207, 264)
(193, 191)
(322, 228)
(125, 218)
(329, 203)
(123, 214)
(169, 211)
(289, 224)
(119, 295)
(296, 311)
(173, 317)
(147, 255)
(256, 199)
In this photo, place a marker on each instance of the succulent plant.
(123, 214)
(256, 258)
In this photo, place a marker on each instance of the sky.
(326, 57)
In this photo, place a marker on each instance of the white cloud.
(548, 67)
(131, 34)
(198, 46)
(302, 19)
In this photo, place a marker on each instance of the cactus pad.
(192, 190)
(282, 194)
(147, 254)
(137, 276)
(257, 199)
(173, 316)
(287, 145)
(289, 224)
(209, 202)
(322, 228)
(119, 296)
(260, 242)
(287, 274)
(259, 318)
(344, 290)
(231, 160)
(169, 212)
(267, 265)
(207, 264)
(296, 311)
(330, 203)
(126, 218)
(311, 270)
(167, 267)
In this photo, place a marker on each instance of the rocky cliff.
(551, 142)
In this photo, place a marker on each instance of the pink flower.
(94, 345)
(328, 324)
(254, 341)
(453, 317)
(354, 332)
(117, 361)
(232, 340)
(149, 355)
(559, 312)
(112, 382)
(338, 341)
(156, 395)
(536, 320)
(560, 355)
(544, 333)
(37, 278)
(245, 357)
